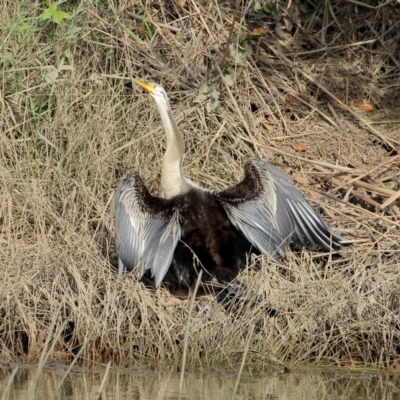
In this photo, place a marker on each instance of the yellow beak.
(148, 87)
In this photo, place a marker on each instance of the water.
(307, 384)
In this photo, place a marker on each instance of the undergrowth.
(72, 124)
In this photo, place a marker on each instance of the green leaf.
(213, 103)
(268, 8)
(129, 32)
(51, 75)
(204, 92)
(48, 13)
(208, 93)
(230, 77)
(261, 7)
(246, 49)
(51, 13)
(258, 7)
(59, 16)
(256, 33)
(23, 27)
(241, 52)
(147, 27)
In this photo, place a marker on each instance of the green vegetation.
(53, 14)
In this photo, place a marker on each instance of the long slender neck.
(172, 180)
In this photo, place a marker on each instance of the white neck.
(172, 180)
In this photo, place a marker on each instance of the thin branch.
(222, 62)
(159, 24)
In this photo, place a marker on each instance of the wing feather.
(267, 208)
(148, 228)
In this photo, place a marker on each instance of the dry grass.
(68, 136)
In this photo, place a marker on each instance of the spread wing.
(267, 208)
(148, 228)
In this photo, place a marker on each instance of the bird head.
(156, 91)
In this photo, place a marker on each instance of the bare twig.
(159, 24)
(228, 42)
(391, 199)
(368, 173)
(237, 108)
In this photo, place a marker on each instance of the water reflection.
(143, 385)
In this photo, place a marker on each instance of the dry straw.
(72, 125)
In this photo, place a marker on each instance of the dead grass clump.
(72, 125)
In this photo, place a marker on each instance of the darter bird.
(192, 227)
